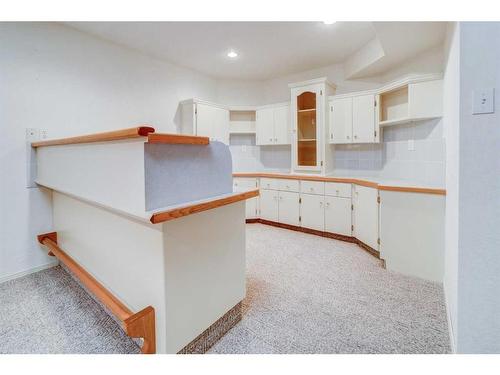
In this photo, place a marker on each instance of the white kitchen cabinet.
(340, 121)
(289, 208)
(338, 189)
(205, 119)
(353, 120)
(289, 185)
(220, 125)
(312, 187)
(311, 153)
(269, 183)
(338, 215)
(252, 204)
(264, 126)
(425, 99)
(273, 125)
(366, 215)
(364, 129)
(269, 204)
(282, 125)
(252, 208)
(312, 211)
(410, 100)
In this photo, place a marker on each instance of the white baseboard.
(28, 271)
(448, 318)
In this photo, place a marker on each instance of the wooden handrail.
(138, 325)
(115, 135)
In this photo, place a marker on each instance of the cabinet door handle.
(348, 137)
(270, 139)
(355, 137)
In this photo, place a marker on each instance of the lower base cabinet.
(312, 211)
(338, 215)
(252, 208)
(365, 218)
(289, 208)
(326, 213)
(269, 204)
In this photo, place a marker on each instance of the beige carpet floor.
(308, 294)
(305, 294)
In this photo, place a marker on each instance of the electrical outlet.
(44, 134)
(411, 145)
(483, 101)
(32, 134)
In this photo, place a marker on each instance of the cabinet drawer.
(243, 183)
(289, 185)
(312, 187)
(338, 189)
(269, 183)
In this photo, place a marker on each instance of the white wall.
(55, 78)
(451, 106)
(478, 313)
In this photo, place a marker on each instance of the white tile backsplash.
(389, 159)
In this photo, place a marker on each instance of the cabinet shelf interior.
(306, 129)
(394, 105)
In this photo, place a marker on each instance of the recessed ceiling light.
(232, 54)
(329, 22)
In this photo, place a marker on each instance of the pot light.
(329, 22)
(232, 54)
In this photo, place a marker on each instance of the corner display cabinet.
(310, 152)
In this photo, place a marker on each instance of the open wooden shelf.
(396, 121)
(394, 106)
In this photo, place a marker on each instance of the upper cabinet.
(310, 126)
(413, 100)
(205, 119)
(272, 125)
(353, 120)
(357, 117)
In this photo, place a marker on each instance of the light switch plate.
(483, 101)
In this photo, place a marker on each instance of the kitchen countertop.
(370, 181)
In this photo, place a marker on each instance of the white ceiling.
(266, 49)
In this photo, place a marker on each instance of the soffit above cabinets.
(268, 50)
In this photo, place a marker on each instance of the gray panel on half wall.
(175, 174)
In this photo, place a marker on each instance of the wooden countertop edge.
(409, 189)
(114, 135)
(177, 139)
(176, 213)
(130, 133)
(413, 189)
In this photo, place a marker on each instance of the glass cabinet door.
(307, 130)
